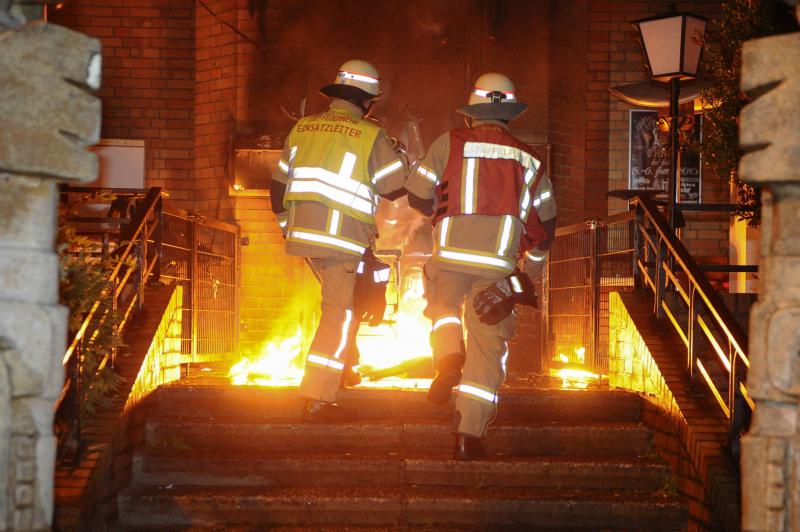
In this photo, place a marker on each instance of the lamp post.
(672, 44)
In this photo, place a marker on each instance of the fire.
(573, 377)
(394, 354)
(278, 364)
(393, 344)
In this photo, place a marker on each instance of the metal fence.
(203, 256)
(587, 261)
(148, 243)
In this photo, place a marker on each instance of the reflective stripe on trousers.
(327, 355)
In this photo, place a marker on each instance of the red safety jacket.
(488, 172)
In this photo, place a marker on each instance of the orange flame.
(403, 338)
(575, 378)
(278, 364)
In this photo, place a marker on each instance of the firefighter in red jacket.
(335, 167)
(493, 208)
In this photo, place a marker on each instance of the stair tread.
(383, 455)
(219, 421)
(291, 494)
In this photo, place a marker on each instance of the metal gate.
(587, 261)
(203, 256)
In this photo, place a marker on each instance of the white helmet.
(493, 98)
(357, 79)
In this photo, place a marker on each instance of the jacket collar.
(497, 123)
(344, 105)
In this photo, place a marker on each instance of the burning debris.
(572, 370)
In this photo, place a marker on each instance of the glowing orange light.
(278, 364)
(572, 377)
(576, 378)
(403, 337)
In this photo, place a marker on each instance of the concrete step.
(477, 506)
(391, 469)
(518, 404)
(225, 436)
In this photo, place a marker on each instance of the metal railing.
(697, 313)
(135, 261)
(149, 243)
(638, 250)
(587, 261)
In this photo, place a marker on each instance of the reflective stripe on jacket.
(329, 161)
(485, 202)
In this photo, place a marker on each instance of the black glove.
(495, 303)
(369, 297)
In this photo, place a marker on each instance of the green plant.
(84, 280)
(741, 20)
(669, 489)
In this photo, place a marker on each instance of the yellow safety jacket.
(328, 166)
(329, 163)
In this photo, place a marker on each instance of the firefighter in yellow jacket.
(334, 168)
(493, 208)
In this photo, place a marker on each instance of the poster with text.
(648, 158)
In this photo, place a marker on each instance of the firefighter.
(334, 168)
(492, 206)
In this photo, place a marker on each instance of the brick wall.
(568, 79)
(148, 81)
(615, 58)
(180, 78)
(214, 104)
(689, 429)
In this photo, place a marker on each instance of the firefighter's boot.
(469, 448)
(350, 377)
(448, 375)
(319, 412)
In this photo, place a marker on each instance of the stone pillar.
(770, 134)
(47, 120)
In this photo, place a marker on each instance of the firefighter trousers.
(449, 295)
(327, 354)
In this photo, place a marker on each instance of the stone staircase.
(234, 458)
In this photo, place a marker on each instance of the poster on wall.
(648, 157)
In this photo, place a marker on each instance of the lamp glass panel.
(662, 41)
(695, 28)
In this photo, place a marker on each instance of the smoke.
(399, 226)
(402, 228)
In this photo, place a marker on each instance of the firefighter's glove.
(369, 298)
(493, 304)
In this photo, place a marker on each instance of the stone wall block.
(794, 488)
(46, 121)
(771, 142)
(755, 452)
(775, 272)
(29, 276)
(26, 199)
(44, 445)
(32, 362)
(783, 339)
(5, 433)
(786, 230)
(771, 73)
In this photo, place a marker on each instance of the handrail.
(670, 256)
(149, 205)
(151, 240)
(581, 226)
(137, 235)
